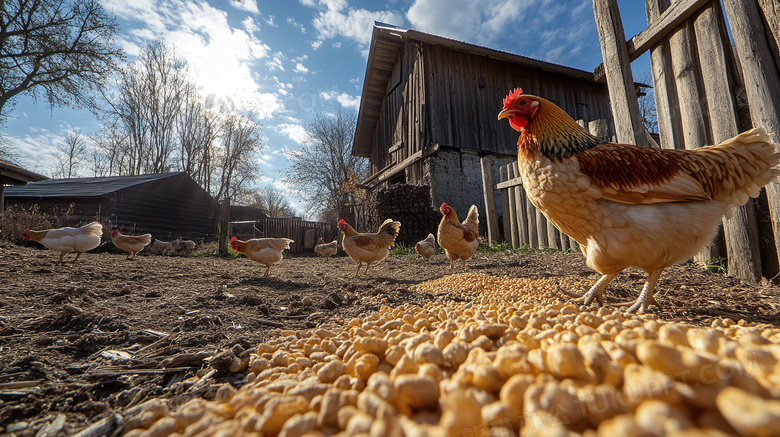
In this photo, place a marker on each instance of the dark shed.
(12, 174)
(167, 205)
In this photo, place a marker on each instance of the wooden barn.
(167, 205)
(429, 106)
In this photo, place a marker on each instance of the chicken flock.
(625, 205)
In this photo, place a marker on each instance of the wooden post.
(490, 199)
(741, 230)
(530, 211)
(507, 237)
(617, 67)
(771, 10)
(513, 230)
(2, 199)
(666, 103)
(224, 226)
(762, 83)
(522, 213)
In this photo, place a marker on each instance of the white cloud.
(222, 57)
(270, 21)
(344, 99)
(295, 132)
(300, 68)
(291, 21)
(245, 5)
(479, 22)
(335, 18)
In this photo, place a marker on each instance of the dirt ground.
(82, 341)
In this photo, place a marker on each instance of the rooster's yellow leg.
(645, 298)
(597, 290)
(358, 269)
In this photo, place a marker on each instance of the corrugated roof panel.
(82, 187)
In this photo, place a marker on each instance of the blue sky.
(288, 60)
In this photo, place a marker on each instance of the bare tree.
(151, 93)
(62, 50)
(238, 158)
(646, 100)
(197, 129)
(71, 154)
(324, 172)
(273, 202)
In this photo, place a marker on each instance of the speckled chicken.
(326, 249)
(632, 206)
(459, 240)
(368, 247)
(426, 247)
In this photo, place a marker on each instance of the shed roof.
(83, 187)
(386, 41)
(11, 173)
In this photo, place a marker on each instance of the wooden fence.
(522, 223)
(699, 90)
(305, 233)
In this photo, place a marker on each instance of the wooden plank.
(662, 24)
(490, 199)
(617, 67)
(515, 182)
(669, 124)
(513, 230)
(521, 213)
(506, 237)
(762, 84)
(686, 73)
(530, 212)
(741, 230)
(771, 9)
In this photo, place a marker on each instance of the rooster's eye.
(523, 102)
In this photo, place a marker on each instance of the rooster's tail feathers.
(93, 228)
(472, 216)
(390, 227)
(752, 160)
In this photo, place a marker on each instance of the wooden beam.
(762, 83)
(490, 199)
(393, 169)
(622, 94)
(514, 207)
(502, 176)
(741, 230)
(509, 184)
(675, 15)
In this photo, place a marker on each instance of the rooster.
(425, 247)
(326, 249)
(265, 251)
(368, 248)
(67, 240)
(459, 240)
(632, 206)
(132, 244)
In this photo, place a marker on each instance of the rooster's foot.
(640, 306)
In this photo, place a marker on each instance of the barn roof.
(386, 42)
(11, 173)
(83, 187)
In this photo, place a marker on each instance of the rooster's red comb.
(233, 239)
(342, 221)
(512, 96)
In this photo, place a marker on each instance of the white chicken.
(425, 247)
(326, 249)
(67, 240)
(265, 251)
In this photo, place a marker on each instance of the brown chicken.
(368, 248)
(631, 206)
(426, 247)
(326, 249)
(265, 251)
(132, 244)
(459, 240)
(67, 240)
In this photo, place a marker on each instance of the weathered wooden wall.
(437, 96)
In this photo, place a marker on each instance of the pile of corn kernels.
(509, 357)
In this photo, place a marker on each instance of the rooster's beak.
(504, 114)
